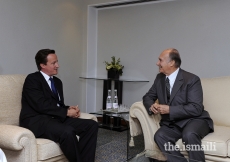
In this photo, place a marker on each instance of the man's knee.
(68, 131)
(93, 123)
(190, 138)
(158, 136)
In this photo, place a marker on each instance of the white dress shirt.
(47, 78)
(172, 78)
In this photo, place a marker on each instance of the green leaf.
(114, 65)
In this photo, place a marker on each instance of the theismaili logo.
(209, 146)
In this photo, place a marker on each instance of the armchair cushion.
(218, 141)
(215, 143)
(47, 149)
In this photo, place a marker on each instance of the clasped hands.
(73, 112)
(159, 109)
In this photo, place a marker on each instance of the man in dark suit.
(46, 115)
(180, 103)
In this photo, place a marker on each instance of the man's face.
(51, 67)
(164, 63)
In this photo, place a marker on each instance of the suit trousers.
(64, 133)
(167, 136)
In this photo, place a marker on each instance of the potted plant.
(114, 68)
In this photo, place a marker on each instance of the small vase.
(113, 74)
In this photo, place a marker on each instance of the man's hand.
(162, 109)
(73, 111)
(153, 108)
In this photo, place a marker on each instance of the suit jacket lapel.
(177, 84)
(44, 82)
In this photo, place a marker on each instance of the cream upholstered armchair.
(19, 144)
(216, 95)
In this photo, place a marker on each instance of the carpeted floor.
(112, 146)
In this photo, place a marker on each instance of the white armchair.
(19, 144)
(216, 94)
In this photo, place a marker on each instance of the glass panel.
(124, 80)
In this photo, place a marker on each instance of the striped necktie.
(167, 85)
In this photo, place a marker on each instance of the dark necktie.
(167, 88)
(54, 89)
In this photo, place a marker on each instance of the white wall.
(28, 26)
(138, 34)
(91, 89)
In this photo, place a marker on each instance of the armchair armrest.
(88, 116)
(140, 119)
(142, 122)
(16, 138)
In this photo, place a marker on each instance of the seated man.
(180, 98)
(46, 115)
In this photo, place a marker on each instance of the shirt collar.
(173, 75)
(47, 77)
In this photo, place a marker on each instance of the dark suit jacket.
(186, 100)
(39, 105)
